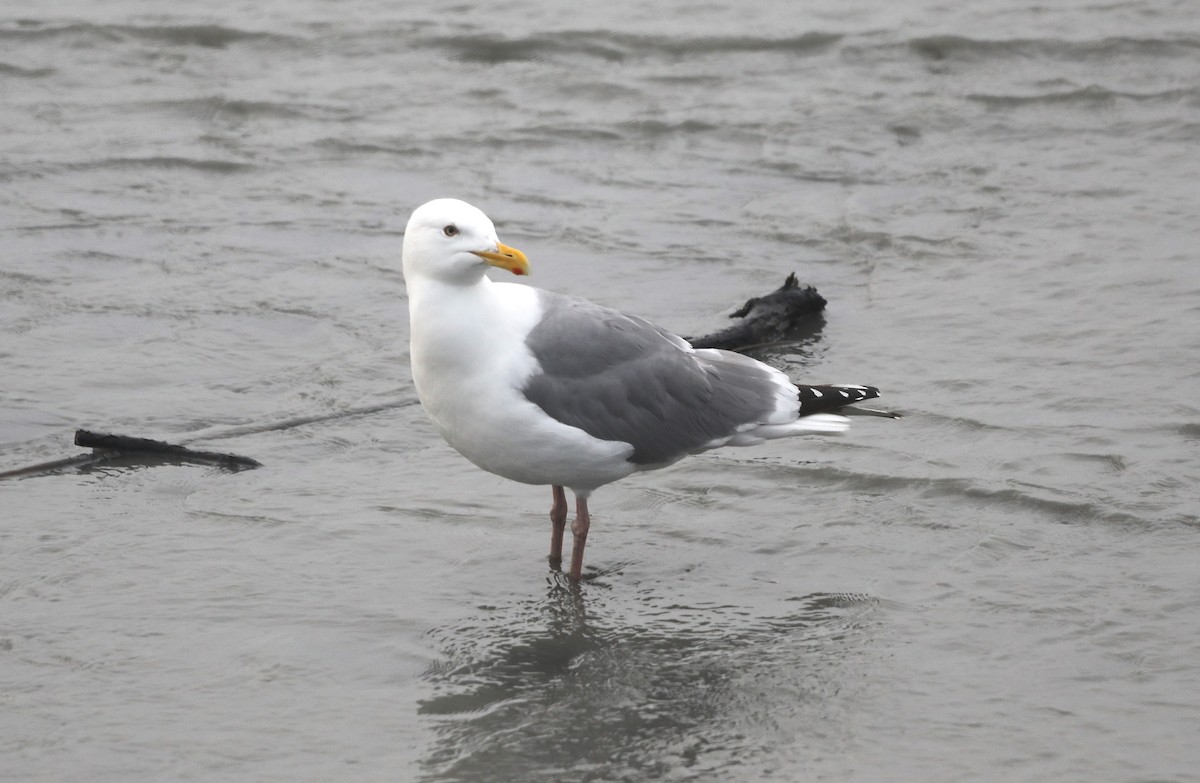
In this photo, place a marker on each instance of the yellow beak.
(506, 257)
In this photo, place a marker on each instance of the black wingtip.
(827, 398)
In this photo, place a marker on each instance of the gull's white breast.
(470, 363)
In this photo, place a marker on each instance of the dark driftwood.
(128, 445)
(109, 448)
(767, 319)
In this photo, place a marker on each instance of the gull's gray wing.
(617, 377)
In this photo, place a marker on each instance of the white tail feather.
(823, 423)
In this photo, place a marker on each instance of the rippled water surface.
(201, 214)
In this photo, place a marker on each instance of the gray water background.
(201, 212)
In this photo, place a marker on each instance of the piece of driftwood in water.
(767, 319)
(107, 448)
(129, 445)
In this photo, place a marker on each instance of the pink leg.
(580, 529)
(558, 521)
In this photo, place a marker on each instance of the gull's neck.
(462, 321)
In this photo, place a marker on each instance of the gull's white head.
(452, 241)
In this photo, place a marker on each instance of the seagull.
(548, 389)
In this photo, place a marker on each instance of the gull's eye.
(450, 230)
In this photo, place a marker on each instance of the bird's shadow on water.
(613, 683)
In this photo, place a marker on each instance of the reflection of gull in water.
(557, 689)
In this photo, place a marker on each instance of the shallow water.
(201, 221)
